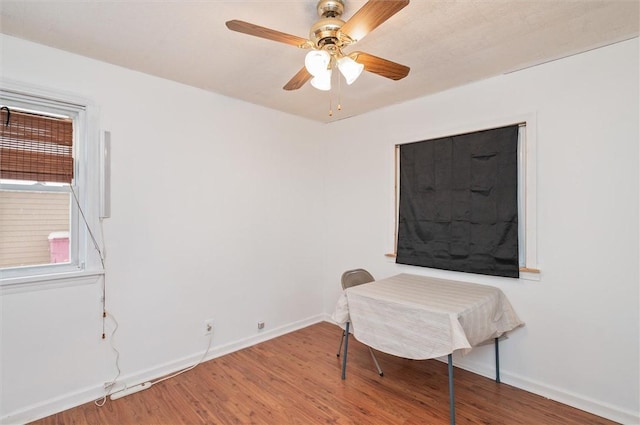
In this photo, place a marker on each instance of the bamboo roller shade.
(36, 147)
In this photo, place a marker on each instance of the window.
(527, 261)
(43, 183)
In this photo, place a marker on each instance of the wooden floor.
(295, 379)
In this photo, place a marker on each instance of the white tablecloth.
(420, 317)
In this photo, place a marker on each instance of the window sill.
(527, 273)
(49, 281)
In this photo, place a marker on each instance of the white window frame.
(84, 259)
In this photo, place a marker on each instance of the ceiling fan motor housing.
(330, 8)
(325, 32)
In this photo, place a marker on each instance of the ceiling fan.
(327, 39)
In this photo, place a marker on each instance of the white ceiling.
(445, 43)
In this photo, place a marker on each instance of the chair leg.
(375, 360)
(373, 355)
(340, 346)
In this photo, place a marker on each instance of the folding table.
(419, 317)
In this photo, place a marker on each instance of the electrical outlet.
(208, 327)
(261, 325)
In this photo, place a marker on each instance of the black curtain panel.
(459, 203)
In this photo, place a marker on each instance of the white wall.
(230, 228)
(580, 342)
(215, 212)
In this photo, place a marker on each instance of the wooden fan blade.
(298, 80)
(380, 66)
(269, 34)
(370, 16)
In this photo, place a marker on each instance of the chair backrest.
(355, 277)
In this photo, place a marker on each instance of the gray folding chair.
(353, 278)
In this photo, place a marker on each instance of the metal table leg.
(344, 357)
(452, 407)
(497, 361)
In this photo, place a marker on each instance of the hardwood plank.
(295, 379)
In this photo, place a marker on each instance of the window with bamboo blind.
(49, 187)
(36, 172)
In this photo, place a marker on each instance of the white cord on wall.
(108, 386)
(86, 223)
(145, 385)
(114, 395)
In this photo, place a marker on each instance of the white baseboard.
(86, 395)
(560, 395)
(51, 406)
(563, 396)
(70, 400)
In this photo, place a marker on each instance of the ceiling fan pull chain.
(339, 94)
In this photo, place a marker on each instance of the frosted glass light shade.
(317, 62)
(322, 81)
(350, 69)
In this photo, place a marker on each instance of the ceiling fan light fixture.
(328, 36)
(322, 81)
(317, 62)
(350, 69)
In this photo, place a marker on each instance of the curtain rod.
(519, 124)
